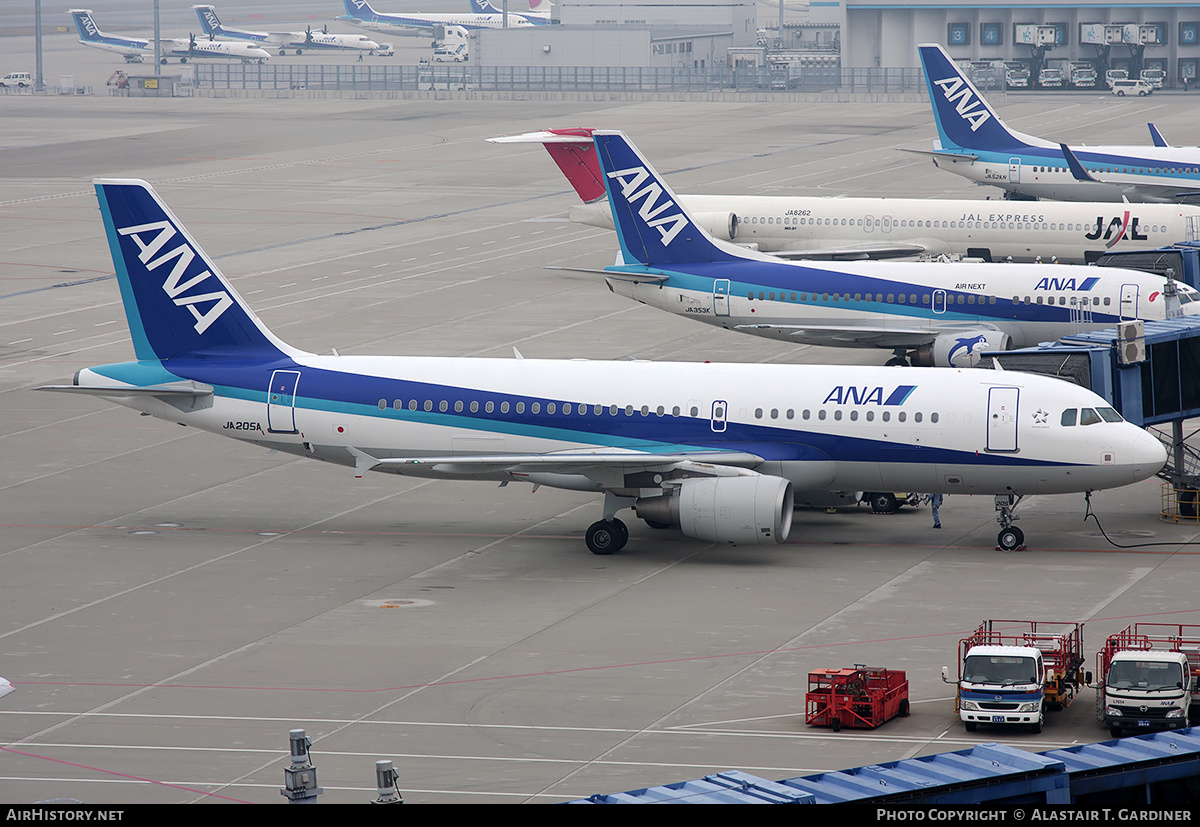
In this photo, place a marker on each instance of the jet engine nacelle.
(722, 225)
(960, 349)
(752, 510)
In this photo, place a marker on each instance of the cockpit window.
(1109, 414)
(1088, 417)
(1068, 417)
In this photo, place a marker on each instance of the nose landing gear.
(1010, 537)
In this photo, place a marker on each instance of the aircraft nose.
(1147, 455)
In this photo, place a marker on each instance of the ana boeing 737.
(973, 142)
(360, 13)
(300, 42)
(939, 314)
(714, 449)
(876, 228)
(133, 49)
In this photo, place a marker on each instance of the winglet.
(1156, 136)
(363, 462)
(1073, 164)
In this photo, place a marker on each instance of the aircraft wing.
(593, 464)
(854, 252)
(852, 335)
(1156, 192)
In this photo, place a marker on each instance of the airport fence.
(665, 79)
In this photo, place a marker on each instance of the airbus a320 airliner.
(715, 449)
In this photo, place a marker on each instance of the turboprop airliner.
(360, 13)
(306, 41)
(973, 142)
(805, 227)
(929, 314)
(133, 49)
(715, 449)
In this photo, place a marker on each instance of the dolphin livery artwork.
(973, 142)
(929, 314)
(135, 50)
(823, 227)
(716, 450)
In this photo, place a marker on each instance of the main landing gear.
(1010, 537)
(606, 536)
(899, 358)
(609, 535)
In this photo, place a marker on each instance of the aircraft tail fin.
(964, 118)
(481, 7)
(176, 300)
(88, 30)
(358, 9)
(209, 21)
(572, 149)
(652, 225)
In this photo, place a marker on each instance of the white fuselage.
(824, 303)
(1024, 231)
(834, 428)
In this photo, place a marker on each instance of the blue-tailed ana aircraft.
(299, 42)
(135, 50)
(975, 143)
(536, 13)
(717, 450)
(360, 13)
(943, 314)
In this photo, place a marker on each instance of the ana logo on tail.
(172, 285)
(970, 108)
(668, 226)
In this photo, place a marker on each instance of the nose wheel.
(606, 536)
(1010, 537)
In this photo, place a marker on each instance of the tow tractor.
(863, 697)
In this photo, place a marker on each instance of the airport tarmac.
(174, 603)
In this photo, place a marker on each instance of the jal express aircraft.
(878, 228)
(135, 50)
(360, 13)
(715, 449)
(973, 142)
(941, 315)
(299, 41)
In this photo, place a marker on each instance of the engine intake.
(751, 510)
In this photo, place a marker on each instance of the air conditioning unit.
(1131, 342)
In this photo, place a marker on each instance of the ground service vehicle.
(1148, 677)
(1052, 77)
(1016, 75)
(1013, 671)
(1081, 75)
(1182, 260)
(1141, 88)
(20, 80)
(865, 697)
(1154, 77)
(1113, 75)
(450, 53)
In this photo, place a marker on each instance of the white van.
(21, 80)
(1139, 87)
(450, 53)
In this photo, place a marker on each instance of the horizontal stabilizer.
(187, 389)
(942, 153)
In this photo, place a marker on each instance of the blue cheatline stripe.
(341, 393)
